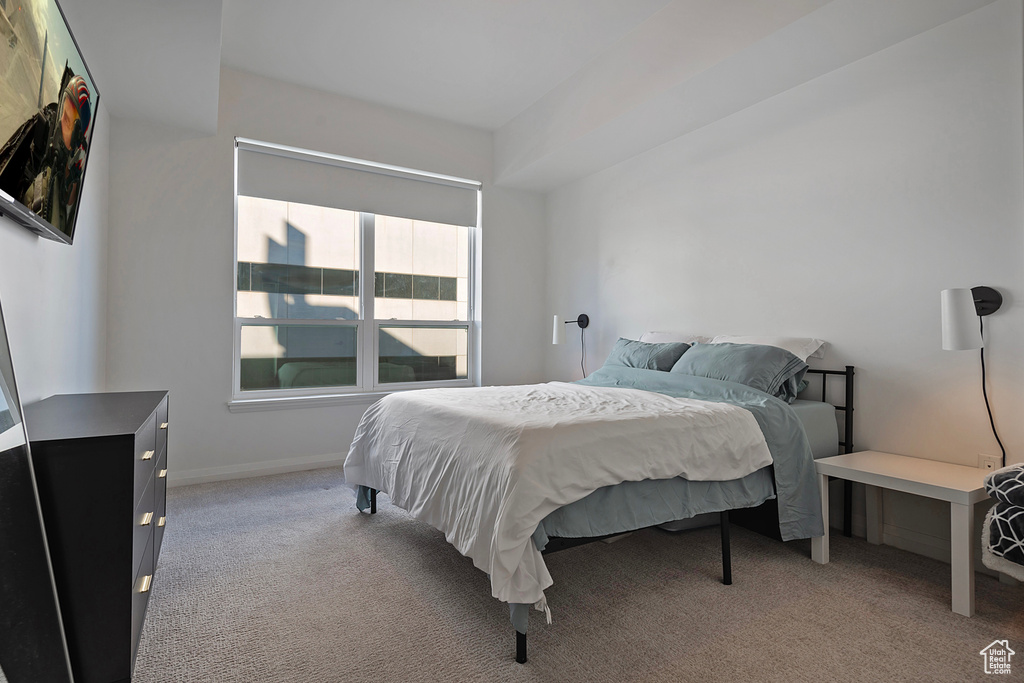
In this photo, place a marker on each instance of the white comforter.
(486, 465)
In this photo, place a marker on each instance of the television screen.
(47, 110)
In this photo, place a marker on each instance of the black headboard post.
(846, 443)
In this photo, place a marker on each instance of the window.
(351, 277)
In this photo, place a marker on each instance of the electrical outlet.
(989, 462)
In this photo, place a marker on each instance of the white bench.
(958, 485)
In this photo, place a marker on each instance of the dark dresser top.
(75, 416)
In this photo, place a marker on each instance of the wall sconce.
(963, 329)
(558, 335)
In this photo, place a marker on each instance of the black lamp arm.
(583, 321)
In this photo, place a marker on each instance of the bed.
(511, 473)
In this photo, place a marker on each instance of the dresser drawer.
(161, 426)
(143, 524)
(141, 587)
(145, 455)
(160, 503)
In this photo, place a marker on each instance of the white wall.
(838, 209)
(171, 256)
(54, 295)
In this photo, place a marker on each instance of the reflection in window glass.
(295, 356)
(422, 354)
(8, 416)
(297, 261)
(421, 270)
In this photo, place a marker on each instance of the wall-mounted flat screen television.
(48, 105)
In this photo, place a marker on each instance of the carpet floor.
(279, 579)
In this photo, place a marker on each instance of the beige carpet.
(280, 579)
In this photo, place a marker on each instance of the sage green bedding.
(638, 504)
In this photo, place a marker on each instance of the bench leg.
(520, 648)
(373, 501)
(848, 508)
(819, 545)
(873, 513)
(961, 528)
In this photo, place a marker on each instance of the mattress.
(678, 504)
(819, 421)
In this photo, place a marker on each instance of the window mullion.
(368, 346)
(256, 322)
(473, 365)
(236, 341)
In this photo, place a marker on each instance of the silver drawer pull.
(163, 425)
(146, 519)
(163, 520)
(146, 582)
(148, 455)
(162, 475)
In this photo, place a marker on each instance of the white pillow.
(668, 337)
(801, 347)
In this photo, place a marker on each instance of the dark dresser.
(101, 465)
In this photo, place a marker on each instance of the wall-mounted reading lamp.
(558, 335)
(963, 328)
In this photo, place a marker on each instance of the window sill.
(251, 405)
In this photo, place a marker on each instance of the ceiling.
(568, 86)
(476, 62)
(152, 60)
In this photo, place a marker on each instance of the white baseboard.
(254, 469)
(916, 542)
(858, 524)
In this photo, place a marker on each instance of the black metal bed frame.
(557, 544)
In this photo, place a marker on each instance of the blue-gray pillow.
(638, 354)
(769, 369)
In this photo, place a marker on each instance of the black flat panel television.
(48, 105)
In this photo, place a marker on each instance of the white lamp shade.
(558, 332)
(960, 327)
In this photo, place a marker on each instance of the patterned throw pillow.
(1007, 485)
(1005, 536)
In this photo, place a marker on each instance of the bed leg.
(726, 550)
(373, 501)
(520, 648)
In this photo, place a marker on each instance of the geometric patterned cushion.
(1006, 534)
(1007, 485)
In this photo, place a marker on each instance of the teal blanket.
(796, 482)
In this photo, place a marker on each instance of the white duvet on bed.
(486, 465)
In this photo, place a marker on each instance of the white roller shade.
(297, 175)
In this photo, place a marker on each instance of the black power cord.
(583, 351)
(984, 392)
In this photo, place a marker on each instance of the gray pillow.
(769, 369)
(638, 354)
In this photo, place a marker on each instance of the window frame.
(368, 386)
